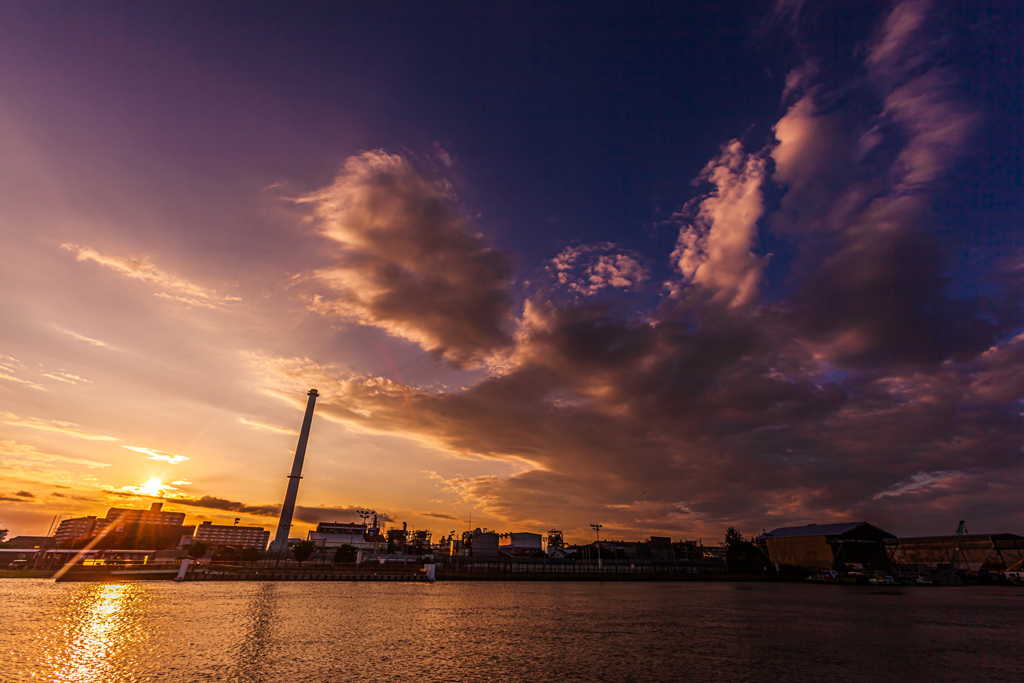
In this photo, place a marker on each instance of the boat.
(1015, 573)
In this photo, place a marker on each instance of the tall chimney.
(281, 540)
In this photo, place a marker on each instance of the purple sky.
(667, 270)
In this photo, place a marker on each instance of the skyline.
(668, 272)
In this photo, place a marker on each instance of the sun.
(153, 487)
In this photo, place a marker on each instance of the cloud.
(214, 503)
(439, 515)
(22, 451)
(267, 426)
(172, 458)
(25, 494)
(9, 367)
(307, 514)
(409, 261)
(869, 283)
(917, 482)
(153, 487)
(938, 128)
(588, 269)
(677, 420)
(141, 268)
(81, 338)
(897, 36)
(57, 494)
(715, 249)
(55, 426)
(919, 95)
(66, 377)
(864, 392)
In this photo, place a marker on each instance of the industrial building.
(220, 535)
(521, 543)
(858, 545)
(478, 544)
(405, 542)
(974, 552)
(359, 536)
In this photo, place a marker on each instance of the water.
(485, 631)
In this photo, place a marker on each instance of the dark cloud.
(410, 261)
(317, 514)
(19, 497)
(439, 515)
(214, 503)
(867, 392)
(71, 497)
(308, 514)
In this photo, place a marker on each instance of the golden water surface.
(496, 631)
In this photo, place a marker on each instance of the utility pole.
(597, 528)
(280, 543)
(954, 579)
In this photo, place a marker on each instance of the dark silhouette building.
(858, 545)
(152, 529)
(77, 529)
(974, 552)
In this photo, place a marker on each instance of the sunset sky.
(668, 268)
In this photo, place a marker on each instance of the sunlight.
(153, 487)
(102, 633)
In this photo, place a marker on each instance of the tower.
(284, 527)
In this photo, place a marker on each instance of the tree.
(741, 554)
(197, 550)
(733, 539)
(251, 554)
(226, 553)
(345, 553)
(303, 550)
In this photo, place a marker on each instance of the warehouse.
(974, 552)
(857, 545)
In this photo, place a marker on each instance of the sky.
(667, 267)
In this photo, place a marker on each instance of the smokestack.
(284, 527)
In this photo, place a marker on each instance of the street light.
(597, 528)
(362, 536)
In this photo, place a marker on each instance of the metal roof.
(955, 536)
(812, 530)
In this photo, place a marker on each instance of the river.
(506, 631)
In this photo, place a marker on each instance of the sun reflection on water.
(101, 633)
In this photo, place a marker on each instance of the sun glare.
(152, 487)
